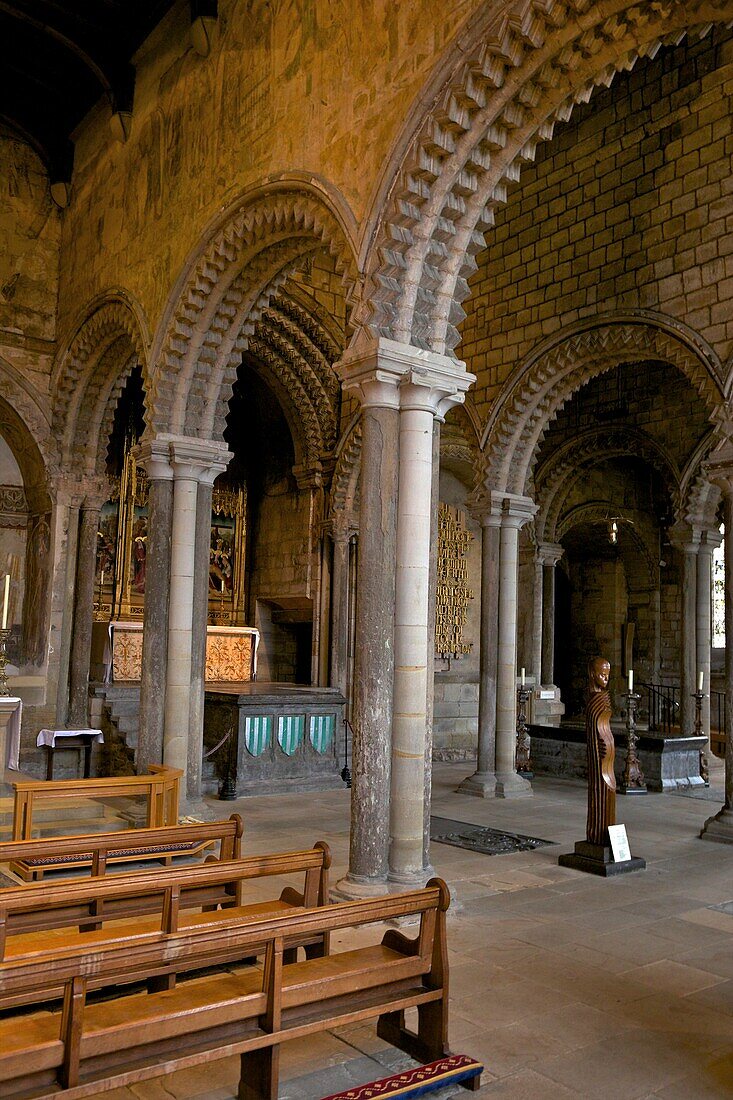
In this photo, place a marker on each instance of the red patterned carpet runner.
(414, 1082)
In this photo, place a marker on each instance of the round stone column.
(720, 826)
(401, 390)
(66, 525)
(192, 461)
(483, 780)
(340, 601)
(81, 642)
(686, 540)
(549, 555)
(154, 456)
(515, 512)
(712, 539)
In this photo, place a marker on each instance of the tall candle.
(5, 601)
(522, 677)
(699, 680)
(631, 679)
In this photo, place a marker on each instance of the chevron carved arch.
(513, 75)
(239, 269)
(538, 389)
(559, 475)
(88, 377)
(344, 497)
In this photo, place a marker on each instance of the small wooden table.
(81, 740)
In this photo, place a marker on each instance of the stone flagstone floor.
(565, 985)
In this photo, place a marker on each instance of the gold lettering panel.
(453, 593)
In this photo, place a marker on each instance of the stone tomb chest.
(284, 737)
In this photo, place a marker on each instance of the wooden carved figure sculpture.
(601, 752)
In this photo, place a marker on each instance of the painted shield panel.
(321, 731)
(290, 732)
(257, 733)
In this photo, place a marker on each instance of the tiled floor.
(564, 984)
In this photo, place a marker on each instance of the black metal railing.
(661, 702)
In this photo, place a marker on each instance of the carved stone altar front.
(231, 653)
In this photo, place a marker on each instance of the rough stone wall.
(628, 207)
(319, 88)
(29, 262)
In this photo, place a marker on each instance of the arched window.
(718, 594)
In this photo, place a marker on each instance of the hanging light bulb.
(613, 532)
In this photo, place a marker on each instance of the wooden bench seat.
(139, 1035)
(93, 852)
(40, 916)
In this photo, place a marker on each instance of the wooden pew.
(160, 789)
(119, 906)
(31, 859)
(137, 1036)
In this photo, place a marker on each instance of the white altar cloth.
(12, 731)
(48, 737)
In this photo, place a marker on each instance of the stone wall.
(320, 89)
(629, 207)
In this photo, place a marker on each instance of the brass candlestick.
(524, 762)
(4, 635)
(633, 781)
(698, 696)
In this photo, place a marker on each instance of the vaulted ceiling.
(58, 57)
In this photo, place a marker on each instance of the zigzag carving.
(222, 294)
(502, 99)
(524, 413)
(76, 365)
(344, 497)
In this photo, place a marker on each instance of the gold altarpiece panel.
(231, 653)
(453, 593)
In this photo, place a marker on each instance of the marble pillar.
(483, 780)
(537, 620)
(720, 826)
(153, 456)
(515, 512)
(81, 643)
(401, 390)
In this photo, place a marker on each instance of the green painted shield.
(257, 733)
(321, 731)
(290, 732)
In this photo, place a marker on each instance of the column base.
(597, 859)
(719, 827)
(398, 881)
(198, 809)
(511, 785)
(354, 888)
(480, 784)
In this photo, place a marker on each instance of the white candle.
(522, 677)
(631, 679)
(699, 680)
(5, 601)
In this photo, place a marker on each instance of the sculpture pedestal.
(597, 859)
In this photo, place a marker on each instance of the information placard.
(619, 843)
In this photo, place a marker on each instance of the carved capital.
(549, 553)
(391, 375)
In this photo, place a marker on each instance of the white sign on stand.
(619, 843)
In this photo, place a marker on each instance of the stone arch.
(90, 373)
(558, 476)
(459, 444)
(539, 387)
(513, 75)
(598, 511)
(243, 262)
